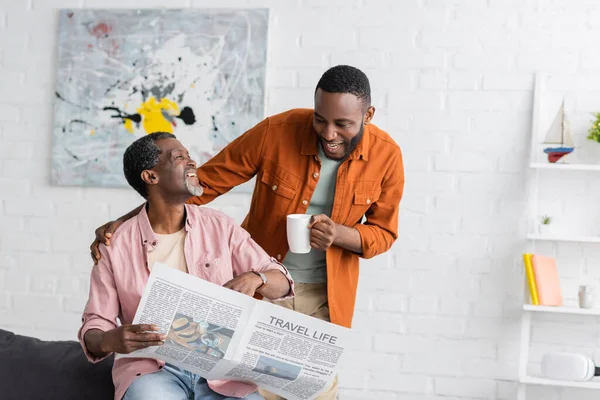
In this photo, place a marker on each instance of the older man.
(199, 241)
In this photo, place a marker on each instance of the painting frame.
(65, 164)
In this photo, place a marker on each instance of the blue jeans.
(172, 383)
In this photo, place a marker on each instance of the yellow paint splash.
(152, 115)
(129, 125)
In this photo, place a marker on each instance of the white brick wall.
(437, 316)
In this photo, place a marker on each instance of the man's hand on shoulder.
(105, 232)
(103, 235)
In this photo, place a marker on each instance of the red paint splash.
(101, 30)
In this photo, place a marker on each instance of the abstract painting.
(121, 74)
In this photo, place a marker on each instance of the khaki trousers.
(310, 299)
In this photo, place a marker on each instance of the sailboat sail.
(559, 134)
(555, 133)
(567, 138)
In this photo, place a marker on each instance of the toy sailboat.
(559, 134)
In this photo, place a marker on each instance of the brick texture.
(437, 316)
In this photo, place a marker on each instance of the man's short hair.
(141, 155)
(346, 79)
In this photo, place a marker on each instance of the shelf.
(562, 310)
(593, 384)
(538, 170)
(571, 167)
(565, 238)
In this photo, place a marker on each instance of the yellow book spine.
(530, 279)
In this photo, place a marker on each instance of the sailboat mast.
(562, 123)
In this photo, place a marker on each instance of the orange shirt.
(282, 152)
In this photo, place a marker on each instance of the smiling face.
(174, 177)
(339, 120)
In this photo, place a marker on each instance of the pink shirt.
(216, 249)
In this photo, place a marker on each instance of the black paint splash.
(58, 96)
(137, 118)
(187, 116)
(72, 154)
(75, 121)
(111, 87)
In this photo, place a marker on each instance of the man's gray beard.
(194, 190)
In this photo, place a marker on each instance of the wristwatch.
(263, 277)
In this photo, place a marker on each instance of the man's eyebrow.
(172, 153)
(177, 152)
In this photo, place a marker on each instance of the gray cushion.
(34, 369)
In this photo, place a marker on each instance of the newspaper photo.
(221, 334)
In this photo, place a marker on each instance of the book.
(530, 279)
(547, 282)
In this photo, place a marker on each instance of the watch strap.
(262, 277)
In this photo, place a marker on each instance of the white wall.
(452, 82)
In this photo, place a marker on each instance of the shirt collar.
(148, 235)
(362, 148)
(309, 145)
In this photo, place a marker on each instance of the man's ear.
(150, 177)
(369, 115)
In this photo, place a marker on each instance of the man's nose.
(191, 163)
(329, 133)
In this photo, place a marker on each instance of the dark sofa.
(35, 369)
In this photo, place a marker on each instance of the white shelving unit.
(529, 310)
(530, 380)
(562, 310)
(567, 167)
(565, 238)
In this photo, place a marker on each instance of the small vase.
(586, 296)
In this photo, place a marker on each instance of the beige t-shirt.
(169, 251)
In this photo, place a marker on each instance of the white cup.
(298, 234)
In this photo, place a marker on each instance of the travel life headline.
(302, 330)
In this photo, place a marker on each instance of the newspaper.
(221, 334)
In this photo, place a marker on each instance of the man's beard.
(353, 143)
(193, 190)
(356, 139)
